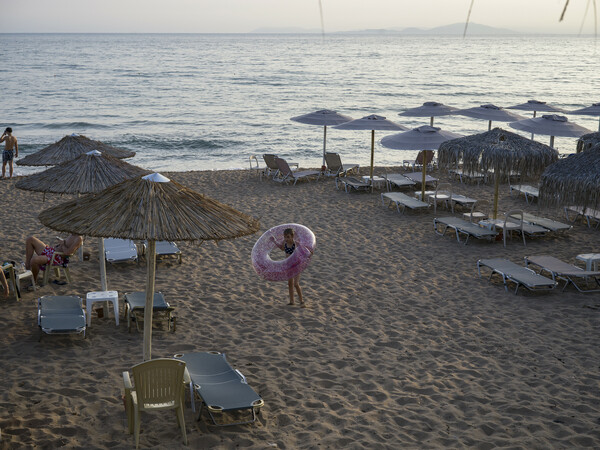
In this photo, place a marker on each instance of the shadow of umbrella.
(421, 138)
(151, 208)
(68, 148)
(323, 117)
(499, 151)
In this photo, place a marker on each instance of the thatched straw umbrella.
(151, 208)
(89, 173)
(69, 148)
(593, 110)
(498, 150)
(572, 181)
(429, 109)
(588, 141)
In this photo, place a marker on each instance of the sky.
(244, 16)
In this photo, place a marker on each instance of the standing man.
(11, 149)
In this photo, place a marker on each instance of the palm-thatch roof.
(148, 210)
(587, 141)
(88, 173)
(69, 148)
(497, 149)
(573, 181)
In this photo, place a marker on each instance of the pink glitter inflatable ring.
(289, 267)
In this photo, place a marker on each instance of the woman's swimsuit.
(289, 250)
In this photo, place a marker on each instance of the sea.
(210, 101)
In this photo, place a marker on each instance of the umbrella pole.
(424, 175)
(151, 255)
(489, 125)
(372, 156)
(598, 123)
(431, 121)
(496, 186)
(102, 261)
(552, 141)
(532, 133)
(324, 143)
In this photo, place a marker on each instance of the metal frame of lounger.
(563, 271)
(286, 174)
(461, 226)
(135, 303)
(527, 190)
(520, 275)
(588, 213)
(549, 224)
(220, 387)
(402, 199)
(61, 314)
(351, 182)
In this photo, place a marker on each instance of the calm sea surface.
(197, 102)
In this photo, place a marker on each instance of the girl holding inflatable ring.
(288, 246)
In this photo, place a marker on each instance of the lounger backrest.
(270, 160)
(283, 167)
(517, 217)
(333, 161)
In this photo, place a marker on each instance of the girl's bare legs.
(298, 289)
(32, 246)
(291, 290)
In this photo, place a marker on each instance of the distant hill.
(453, 29)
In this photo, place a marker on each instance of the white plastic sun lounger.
(589, 214)
(521, 276)
(350, 183)
(165, 248)
(549, 224)
(402, 200)
(567, 272)
(460, 226)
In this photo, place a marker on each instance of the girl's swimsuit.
(289, 250)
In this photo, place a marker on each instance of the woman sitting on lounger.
(38, 254)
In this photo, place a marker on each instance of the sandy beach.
(402, 344)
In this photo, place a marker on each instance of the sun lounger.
(531, 193)
(120, 250)
(463, 201)
(460, 226)
(61, 314)
(424, 156)
(521, 276)
(135, 303)
(165, 248)
(567, 272)
(286, 174)
(549, 224)
(335, 168)
(403, 200)
(472, 177)
(350, 183)
(398, 180)
(417, 177)
(221, 388)
(589, 214)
